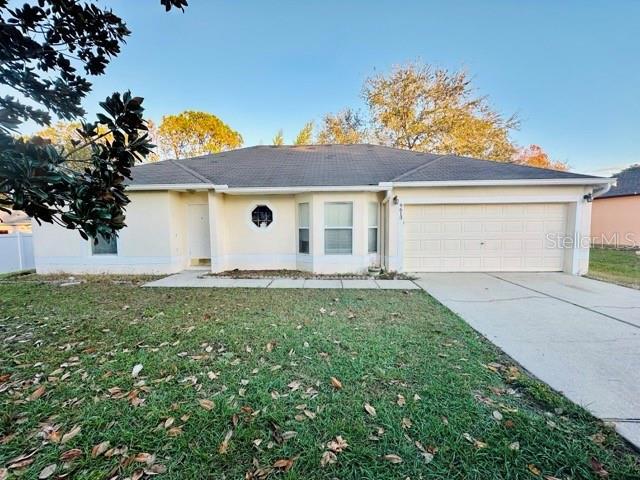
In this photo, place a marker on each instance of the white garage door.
(483, 237)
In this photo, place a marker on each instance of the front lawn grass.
(616, 266)
(256, 367)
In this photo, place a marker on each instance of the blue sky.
(570, 70)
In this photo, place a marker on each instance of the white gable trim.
(382, 186)
(518, 182)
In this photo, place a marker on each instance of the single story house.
(616, 214)
(339, 209)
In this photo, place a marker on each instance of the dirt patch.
(273, 274)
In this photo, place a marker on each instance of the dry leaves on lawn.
(70, 455)
(206, 404)
(401, 400)
(328, 458)
(144, 457)
(284, 464)
(533, 469)
(333, 447)
(476, 443)
(47, 471)
(427, 453)
(288, 435)
(598, 468)
(99, 449)
(71, 434)
(335, 383)
(156, 469)
(224, 446)
(370, 410)
(37, 393)
(337, 445)
(393, 458)
(4, 473)
(136, 370)
(21, 461)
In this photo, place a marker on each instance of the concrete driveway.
(580, 336)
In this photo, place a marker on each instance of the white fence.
(16, 252)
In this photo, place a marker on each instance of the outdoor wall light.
(588, 197)
(395, 200)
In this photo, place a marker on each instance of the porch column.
(579, 230)
(216, 231)
(394, 233)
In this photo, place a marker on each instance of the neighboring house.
(16, 245)
(616, 214)
(339, 208)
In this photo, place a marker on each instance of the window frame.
(267, 206)
(92, 245)
(375, 227)
(337, 228)
(307, 228)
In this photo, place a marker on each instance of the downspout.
(604, 189)
(385, 229)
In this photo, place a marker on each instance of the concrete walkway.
(580, 336)
(198, 278)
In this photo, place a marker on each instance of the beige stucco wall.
(154, 240)
(241, 244)
(616, 221)
(157, 237)
(238, 243)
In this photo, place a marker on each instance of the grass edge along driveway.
(616, 266)
(108, 380)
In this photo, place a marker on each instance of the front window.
(303, 228)
(262, 216)
(372, 230)
(104, 246)
(338, 228)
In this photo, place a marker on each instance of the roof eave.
(170, 186)
(512, 182)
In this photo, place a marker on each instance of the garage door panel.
(513, 227)
(483, 237)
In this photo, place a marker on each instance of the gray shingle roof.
(628, 183)
(330, 165)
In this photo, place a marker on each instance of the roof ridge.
(419, 167)
(190, 171)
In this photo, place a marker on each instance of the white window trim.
(336, 228)
(307, 228)
(249, 215)
(376, 226)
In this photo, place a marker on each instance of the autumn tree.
(48, 48)
(65, 136)
(345, 127)
(418, 107)
(191, 133)
(535, 156)
(305, 136)
(278, 139)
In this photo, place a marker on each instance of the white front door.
(483, 237)
(198, 233)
